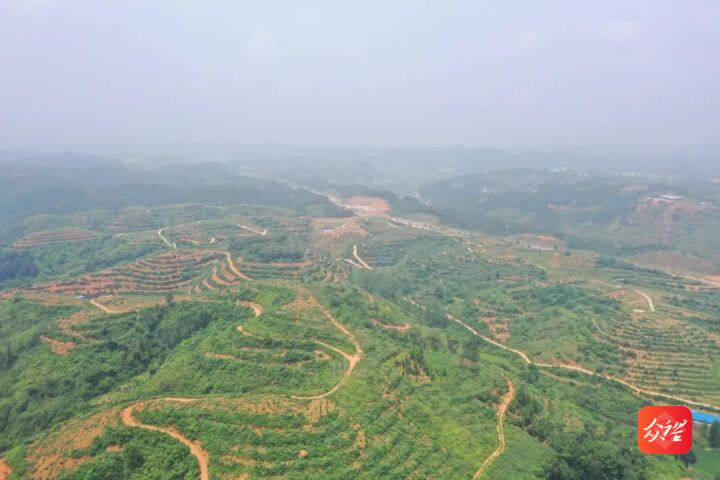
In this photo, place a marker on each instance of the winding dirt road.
(360, 260)
(634, 388)
(352, 362)
(262, 232)
(507, 398)
(195, 447)
(651, 304)
(235, 269)
(165, 240)
(255, 307)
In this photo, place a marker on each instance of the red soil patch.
(57, 346)
(5, 470)
(66, 325)
(500, 330)
(49, 457)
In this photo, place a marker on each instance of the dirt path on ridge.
(262, 232)
(195, 447)
(165, 240)
(102, 307)
(235, 269)
(634, 388)
(651, 304)
(360, 260)
(507, 398)
(352, 362)
(255, 307)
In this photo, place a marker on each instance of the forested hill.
(63, 185)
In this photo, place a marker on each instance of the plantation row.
(666, 355)
(285, 271)
(220, 276)
(52, 238)
(163, 272)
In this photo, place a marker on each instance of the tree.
(585, 455)
(714, 434)
(433, 316)
(452, 344)
(470, 350)
(16, 265)
(687, 458)
(169, 298)
(531, 374)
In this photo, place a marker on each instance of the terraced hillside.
(162, 272)
(52, 238)
(396, 349)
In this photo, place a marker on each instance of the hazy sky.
(83, 74)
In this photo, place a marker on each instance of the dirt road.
(352, 362)
(195, 447)
(634, 388)
(651, 304)
(102, 307)
(165, 240)
(243, 331)
(507, 398)
(340, 326)
(360, 260)
(256, 308)
(521, 354)
(262, 232)
(235, 269)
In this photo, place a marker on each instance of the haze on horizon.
(520, 74)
